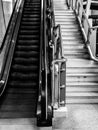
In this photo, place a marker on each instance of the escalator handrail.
(44, 64)
(8, 46)
(8, 36)
(39, 110)
(42, 107)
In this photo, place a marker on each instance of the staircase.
(82, 72)
(20, 97)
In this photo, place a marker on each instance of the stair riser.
(83, 70)
(81, 89)
(82, 101)
(82, 79)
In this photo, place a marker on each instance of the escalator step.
(27, 48)
(29, 32)
(30, 27)
(22, 77)
(19, 84)
(28, 43)
(31, 19)
(28, 37)
(24, 69)
(31, 12)
(26, 55)
(31, 15)
(22, 47)
(32, 23)
(31, 9)
(21, 91)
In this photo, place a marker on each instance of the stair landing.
(82, 72)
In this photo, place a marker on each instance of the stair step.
(74, 51)
(65, 20)
(74, 70)
(79, 78)
(74, 57)
(82, 89)
(70, 17)
(71, 34)
(72, 38)
(72, 43)
(82, 75)
(82, 84)
(82, 95)
(82, 101)
(63, 12)
(70, 51)
(74, 48)
(77, 54)
(82, 63)
(69, 29)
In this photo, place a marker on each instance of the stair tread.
(81, 63)
(82, 89)
(82, 83)
(82, 101)
(83, 94)
(83, 74)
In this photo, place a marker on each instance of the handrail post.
(61, 98)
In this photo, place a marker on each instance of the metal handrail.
(40, 64)
(58, 44)
(45, 63)
(61, 46)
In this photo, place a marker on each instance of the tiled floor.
(78, 117)
(20, 124)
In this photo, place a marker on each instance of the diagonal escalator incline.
(20, 97)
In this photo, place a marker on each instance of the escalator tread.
(20, 97)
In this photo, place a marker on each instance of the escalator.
(21, 94)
